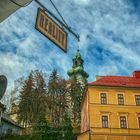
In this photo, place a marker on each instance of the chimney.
(136, 74)
(98, 77)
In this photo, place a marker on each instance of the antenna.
(3, 85)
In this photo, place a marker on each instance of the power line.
(59, 13)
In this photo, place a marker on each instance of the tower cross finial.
(78, 45)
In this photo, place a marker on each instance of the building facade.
(7, 125)
(111, 109)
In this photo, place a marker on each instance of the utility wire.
(63, 18)
(59, 13)
(20, 4)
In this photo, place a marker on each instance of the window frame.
(103, 99)
(121, 99)
(123, 123)
(137, 101)
(105, 121)
(138, 121)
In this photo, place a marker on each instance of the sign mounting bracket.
(64, 25)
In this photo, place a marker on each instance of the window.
(103, 98)
(139, 121)
(123, 122)
(105, 121)
(137, 98)
(120, 99)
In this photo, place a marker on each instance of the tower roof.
(77, 55)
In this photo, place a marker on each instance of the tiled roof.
(5, 117)
(122, 81)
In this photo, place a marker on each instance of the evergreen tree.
(76, 91)
(41, 130)
(25, 100)
(67, 129)
(45, 108)
(32, 98)
(57, 95)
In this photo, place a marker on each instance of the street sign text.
(51, 30)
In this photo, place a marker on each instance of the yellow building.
(111, 109)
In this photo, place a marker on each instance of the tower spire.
(77, 71)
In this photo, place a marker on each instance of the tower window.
(103, 98)
(123, 123)
(120, 99)
(105, 121)
(137, 99)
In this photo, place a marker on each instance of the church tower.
(77, 72)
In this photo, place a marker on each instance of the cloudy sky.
(109, 32)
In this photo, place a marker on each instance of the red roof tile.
(117, 81)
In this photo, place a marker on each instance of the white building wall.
(7, 7)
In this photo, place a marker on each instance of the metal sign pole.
(65, 26)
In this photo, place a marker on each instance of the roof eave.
(113, 86)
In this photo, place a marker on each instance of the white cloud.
(85, 2)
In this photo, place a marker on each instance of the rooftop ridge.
(126, 81)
